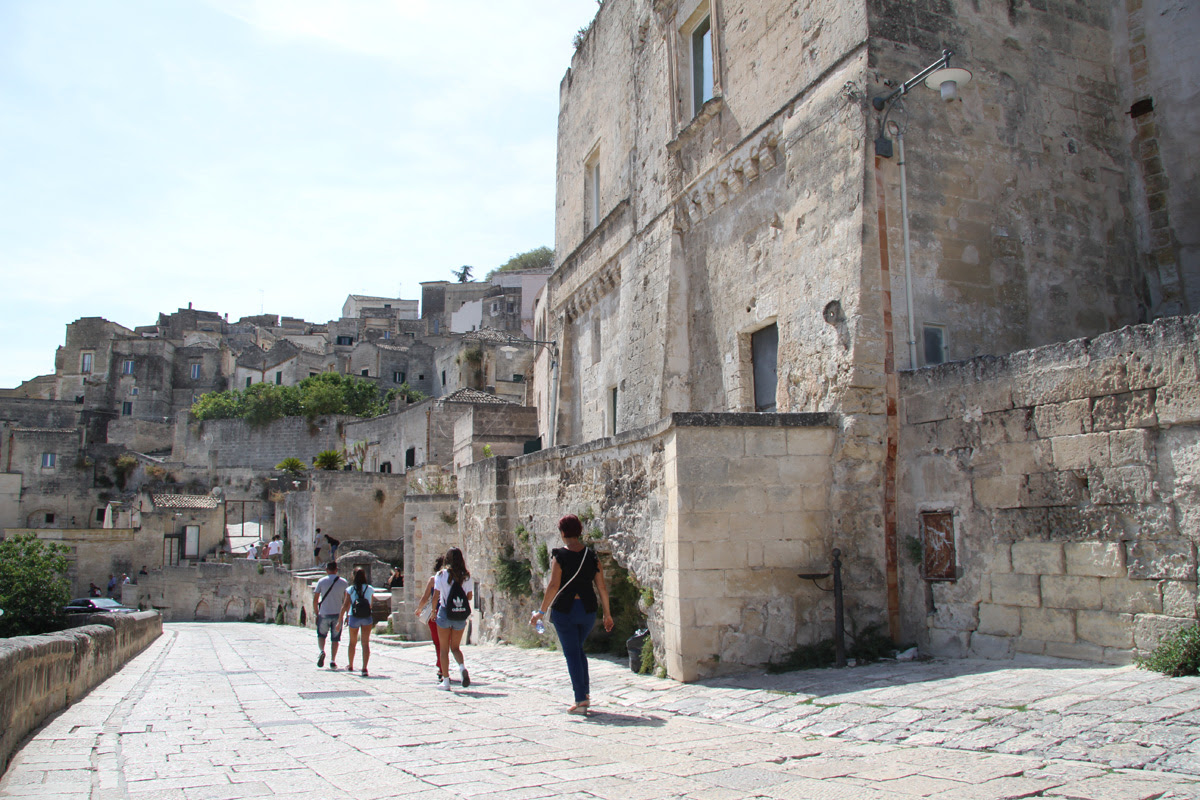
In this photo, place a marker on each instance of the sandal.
(364, 672)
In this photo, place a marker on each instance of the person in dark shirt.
(576, 579)
(333, 546)
(397, 579)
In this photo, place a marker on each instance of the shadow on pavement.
(623, 720)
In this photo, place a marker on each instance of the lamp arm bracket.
(882, 101)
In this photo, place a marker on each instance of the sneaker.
(444, 685)
(364, 672)
(321, 659)
(332, 665)
(466, 678)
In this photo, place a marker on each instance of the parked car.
(96, 605)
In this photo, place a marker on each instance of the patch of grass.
(623, 594)
(543, 557)
(648, 663)
(1177, 654)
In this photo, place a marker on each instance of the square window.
(365, 373)
(387, 334)
(764, 350)
(126, 409)
(100, 514)
(934, 340)
(134, 391)
(591, 191)
(397, 377)
(127, 367)
(702, 64)
(420, 377)
(49, 460)
(49, 518)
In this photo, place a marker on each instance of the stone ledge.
(41, 675)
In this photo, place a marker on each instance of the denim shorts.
(445, 622)
(327, 626)
(361, 622)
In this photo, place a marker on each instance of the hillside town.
(766, 336)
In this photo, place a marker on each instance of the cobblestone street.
(215, 711)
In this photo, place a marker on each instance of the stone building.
(735, 242)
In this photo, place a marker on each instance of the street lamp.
(509, 347)
(946, 79)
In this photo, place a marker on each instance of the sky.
(274, 155)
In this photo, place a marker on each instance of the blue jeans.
(573, 628)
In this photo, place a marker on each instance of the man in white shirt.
(327, 608)
(275, 551)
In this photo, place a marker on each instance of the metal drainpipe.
(554, 398)
(908, 290)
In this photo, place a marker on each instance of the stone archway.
(235, 608)
(201, 611)
(260, 609)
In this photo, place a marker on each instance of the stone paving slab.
(233, 710)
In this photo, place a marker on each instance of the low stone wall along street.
(41, 675)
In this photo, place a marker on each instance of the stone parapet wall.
(41, 675)
(234, 591)
(1072, 474)
(225, 443)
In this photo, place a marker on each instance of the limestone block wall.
(715, 513)
(1072, 477)
(209, 591)
(141, 435)
(41, 675)
(430, 529)
(227, 443)
(346, 506)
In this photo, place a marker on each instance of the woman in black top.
(576, 579)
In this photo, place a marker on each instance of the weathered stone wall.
(231, 443)
(234, 591)
(1073, 475)
(431, 527)
(502, 428)
(715, 513)
(41, 675)
(345, 505)
(141, 435)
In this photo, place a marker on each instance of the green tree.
(537, 258)
(330, 460)
(33, 585)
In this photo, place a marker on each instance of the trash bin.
(635, 644)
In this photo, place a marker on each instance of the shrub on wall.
(513, 574)
(1178, 654)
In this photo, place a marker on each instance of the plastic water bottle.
(539, 626)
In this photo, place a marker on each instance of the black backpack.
(458, 607)
(361, 608)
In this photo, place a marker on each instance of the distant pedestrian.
(317, 547)
(143, 571)
(328, 596)
(573, 601)
(333, 546)
(428, 614)
(93, 590)
(453, 590)
(275, 550)
(112, 585)
(252, 552)
(397, 579)
(357, 610)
